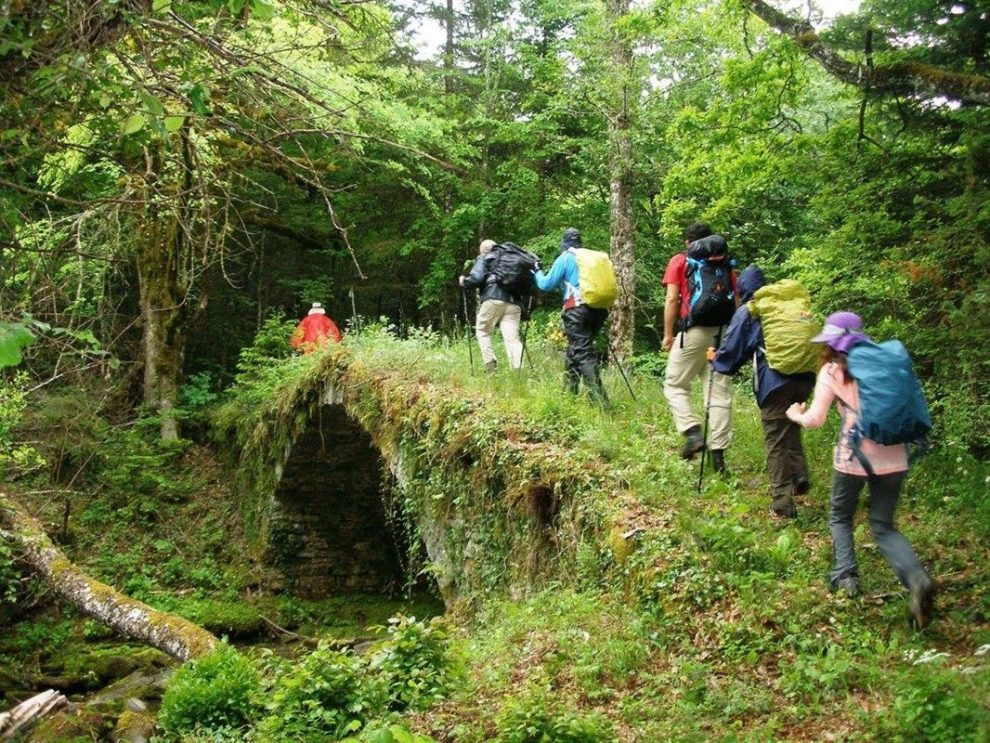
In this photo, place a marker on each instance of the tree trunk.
(164, 341)
(448, 49)
(623, 226)
(169, 633)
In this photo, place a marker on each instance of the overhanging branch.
(916, 78)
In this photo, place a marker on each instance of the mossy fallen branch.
(169, 633)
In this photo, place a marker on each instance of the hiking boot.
(782, 509)
(491, 367)
(693, 442)
(922, 600)
(717, 458)
(849, 586)
(802, 486)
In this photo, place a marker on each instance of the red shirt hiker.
(314, 330)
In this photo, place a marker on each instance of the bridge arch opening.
(329, 531)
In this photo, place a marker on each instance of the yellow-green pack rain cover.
(784, 311)
(597, 277)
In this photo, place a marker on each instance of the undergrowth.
(604, 592)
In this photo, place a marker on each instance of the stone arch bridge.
(354, 478)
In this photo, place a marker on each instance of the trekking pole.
(467, 322)
(354, 314)
(622, 372)
(708, 410)
(522, 334)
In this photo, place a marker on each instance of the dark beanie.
(571, 239)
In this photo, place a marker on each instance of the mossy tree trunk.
(623, 225)
(169, 633)
(162, 316)
(175, 243)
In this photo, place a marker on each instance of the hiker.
(581, 322)
(775, 390)
(696, 309)
(314, 330)
(889, 465)
(498, 306)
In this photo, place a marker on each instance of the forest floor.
(717, 624)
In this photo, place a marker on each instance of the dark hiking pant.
(782, 437)
(884, 494)
(581, 325)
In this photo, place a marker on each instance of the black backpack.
(513, 268)
(711, 298)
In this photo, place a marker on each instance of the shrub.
(10, 577)
(216, 694)
(415, 661)
(936, 707)
(15, 458)
(534, 717)
(324, 697)
(394, 733)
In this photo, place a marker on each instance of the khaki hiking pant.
(507, 316)
(685, 363)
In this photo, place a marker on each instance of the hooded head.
(316, 309)
(749, 281)
(842, 331)
(486, 246)
(571, 239)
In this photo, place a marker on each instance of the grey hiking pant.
(884, 493)
(782, 438)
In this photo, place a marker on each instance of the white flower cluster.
(927, 656)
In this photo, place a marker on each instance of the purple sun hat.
(842, 331)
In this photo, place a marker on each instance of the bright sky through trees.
(429, 35)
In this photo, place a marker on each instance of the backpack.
(784, 312)
(892, 408)
(513, 269)
(711, 298)
(596, 277)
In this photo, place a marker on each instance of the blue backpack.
(892, 408)
(711, 298)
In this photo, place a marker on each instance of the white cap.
(317, 309)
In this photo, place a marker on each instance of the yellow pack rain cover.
(597, 277)
(784, 311)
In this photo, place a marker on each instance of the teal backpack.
(892, 408)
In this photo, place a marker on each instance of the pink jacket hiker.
(831, 385)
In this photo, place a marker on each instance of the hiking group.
(714, 323)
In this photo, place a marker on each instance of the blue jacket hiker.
(581, 322)
(743, 343)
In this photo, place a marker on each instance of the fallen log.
(172, 634)
(25, 713)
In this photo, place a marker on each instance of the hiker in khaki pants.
(498, 307)
(688, 348)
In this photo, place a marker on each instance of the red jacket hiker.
(314, 330)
